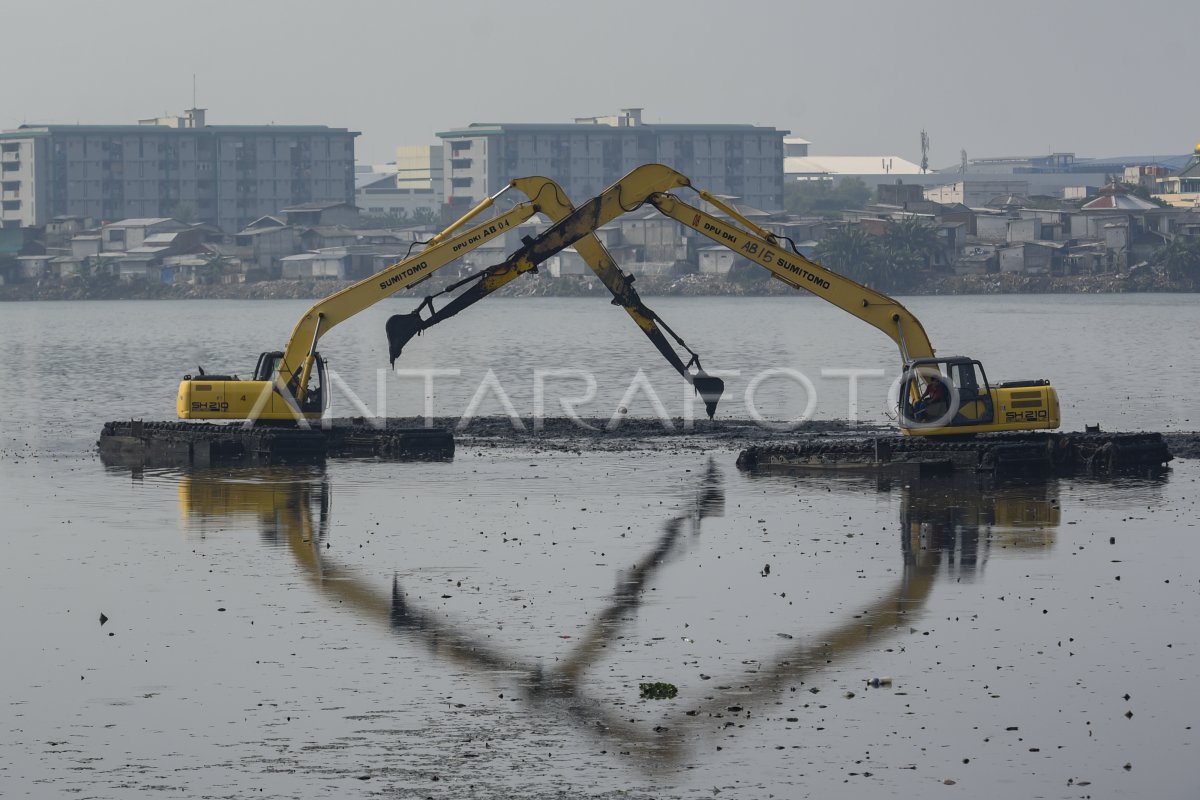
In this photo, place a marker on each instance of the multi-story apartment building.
(409, 186)
(225, 175)
(745, 161)
(419, 167)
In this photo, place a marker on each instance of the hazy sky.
(1103, 77)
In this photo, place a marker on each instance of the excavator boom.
(973, 406)
(283, 384)
(282, 388)
(402, 327)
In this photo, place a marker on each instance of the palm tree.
(849, 251)
(212, 269)
(424, 216)
(914, 237)
(907, 247)
(1180, 259)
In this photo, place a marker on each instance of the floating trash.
(658, 690)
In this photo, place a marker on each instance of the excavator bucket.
(710, 388)
(401, 328)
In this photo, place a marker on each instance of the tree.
(1143, 191)
(917, 240)
(887, 263)
(1180, 259)
(184, 212)
(849, 251)
(396, 218)
(8, 267)
(906, 248)
(448, 214)
(424, 216)
(824, 197)
(212, 269)
(747, 273)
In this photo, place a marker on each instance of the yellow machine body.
(202, 398)
(227, 398)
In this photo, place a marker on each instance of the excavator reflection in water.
(952, 522)
(944, 532)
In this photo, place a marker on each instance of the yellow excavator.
(291, 385)
(938, 396)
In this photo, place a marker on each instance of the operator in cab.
(934, 402)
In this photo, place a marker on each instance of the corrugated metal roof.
(318, 206)
(140, 222)
(849, 165)
(260, 231)
(1120, 202)
(1111, 163)
(364, 179)
(1191, 170)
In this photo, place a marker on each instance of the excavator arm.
(763, 248)
(555, 205)
(974, 407)
(299, 355)
(280, 389)
(652, 183)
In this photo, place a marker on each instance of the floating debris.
(658, 690)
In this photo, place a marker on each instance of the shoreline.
(1139, 281)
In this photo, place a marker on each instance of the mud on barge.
(1090, 452)
(190, 444)
(828, 445)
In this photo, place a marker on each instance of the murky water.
(480, 628)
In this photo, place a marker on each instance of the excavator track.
(1055, 453)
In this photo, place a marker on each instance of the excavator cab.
(267, 365)
(952, 395)
(945, 392)
(313, 399)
